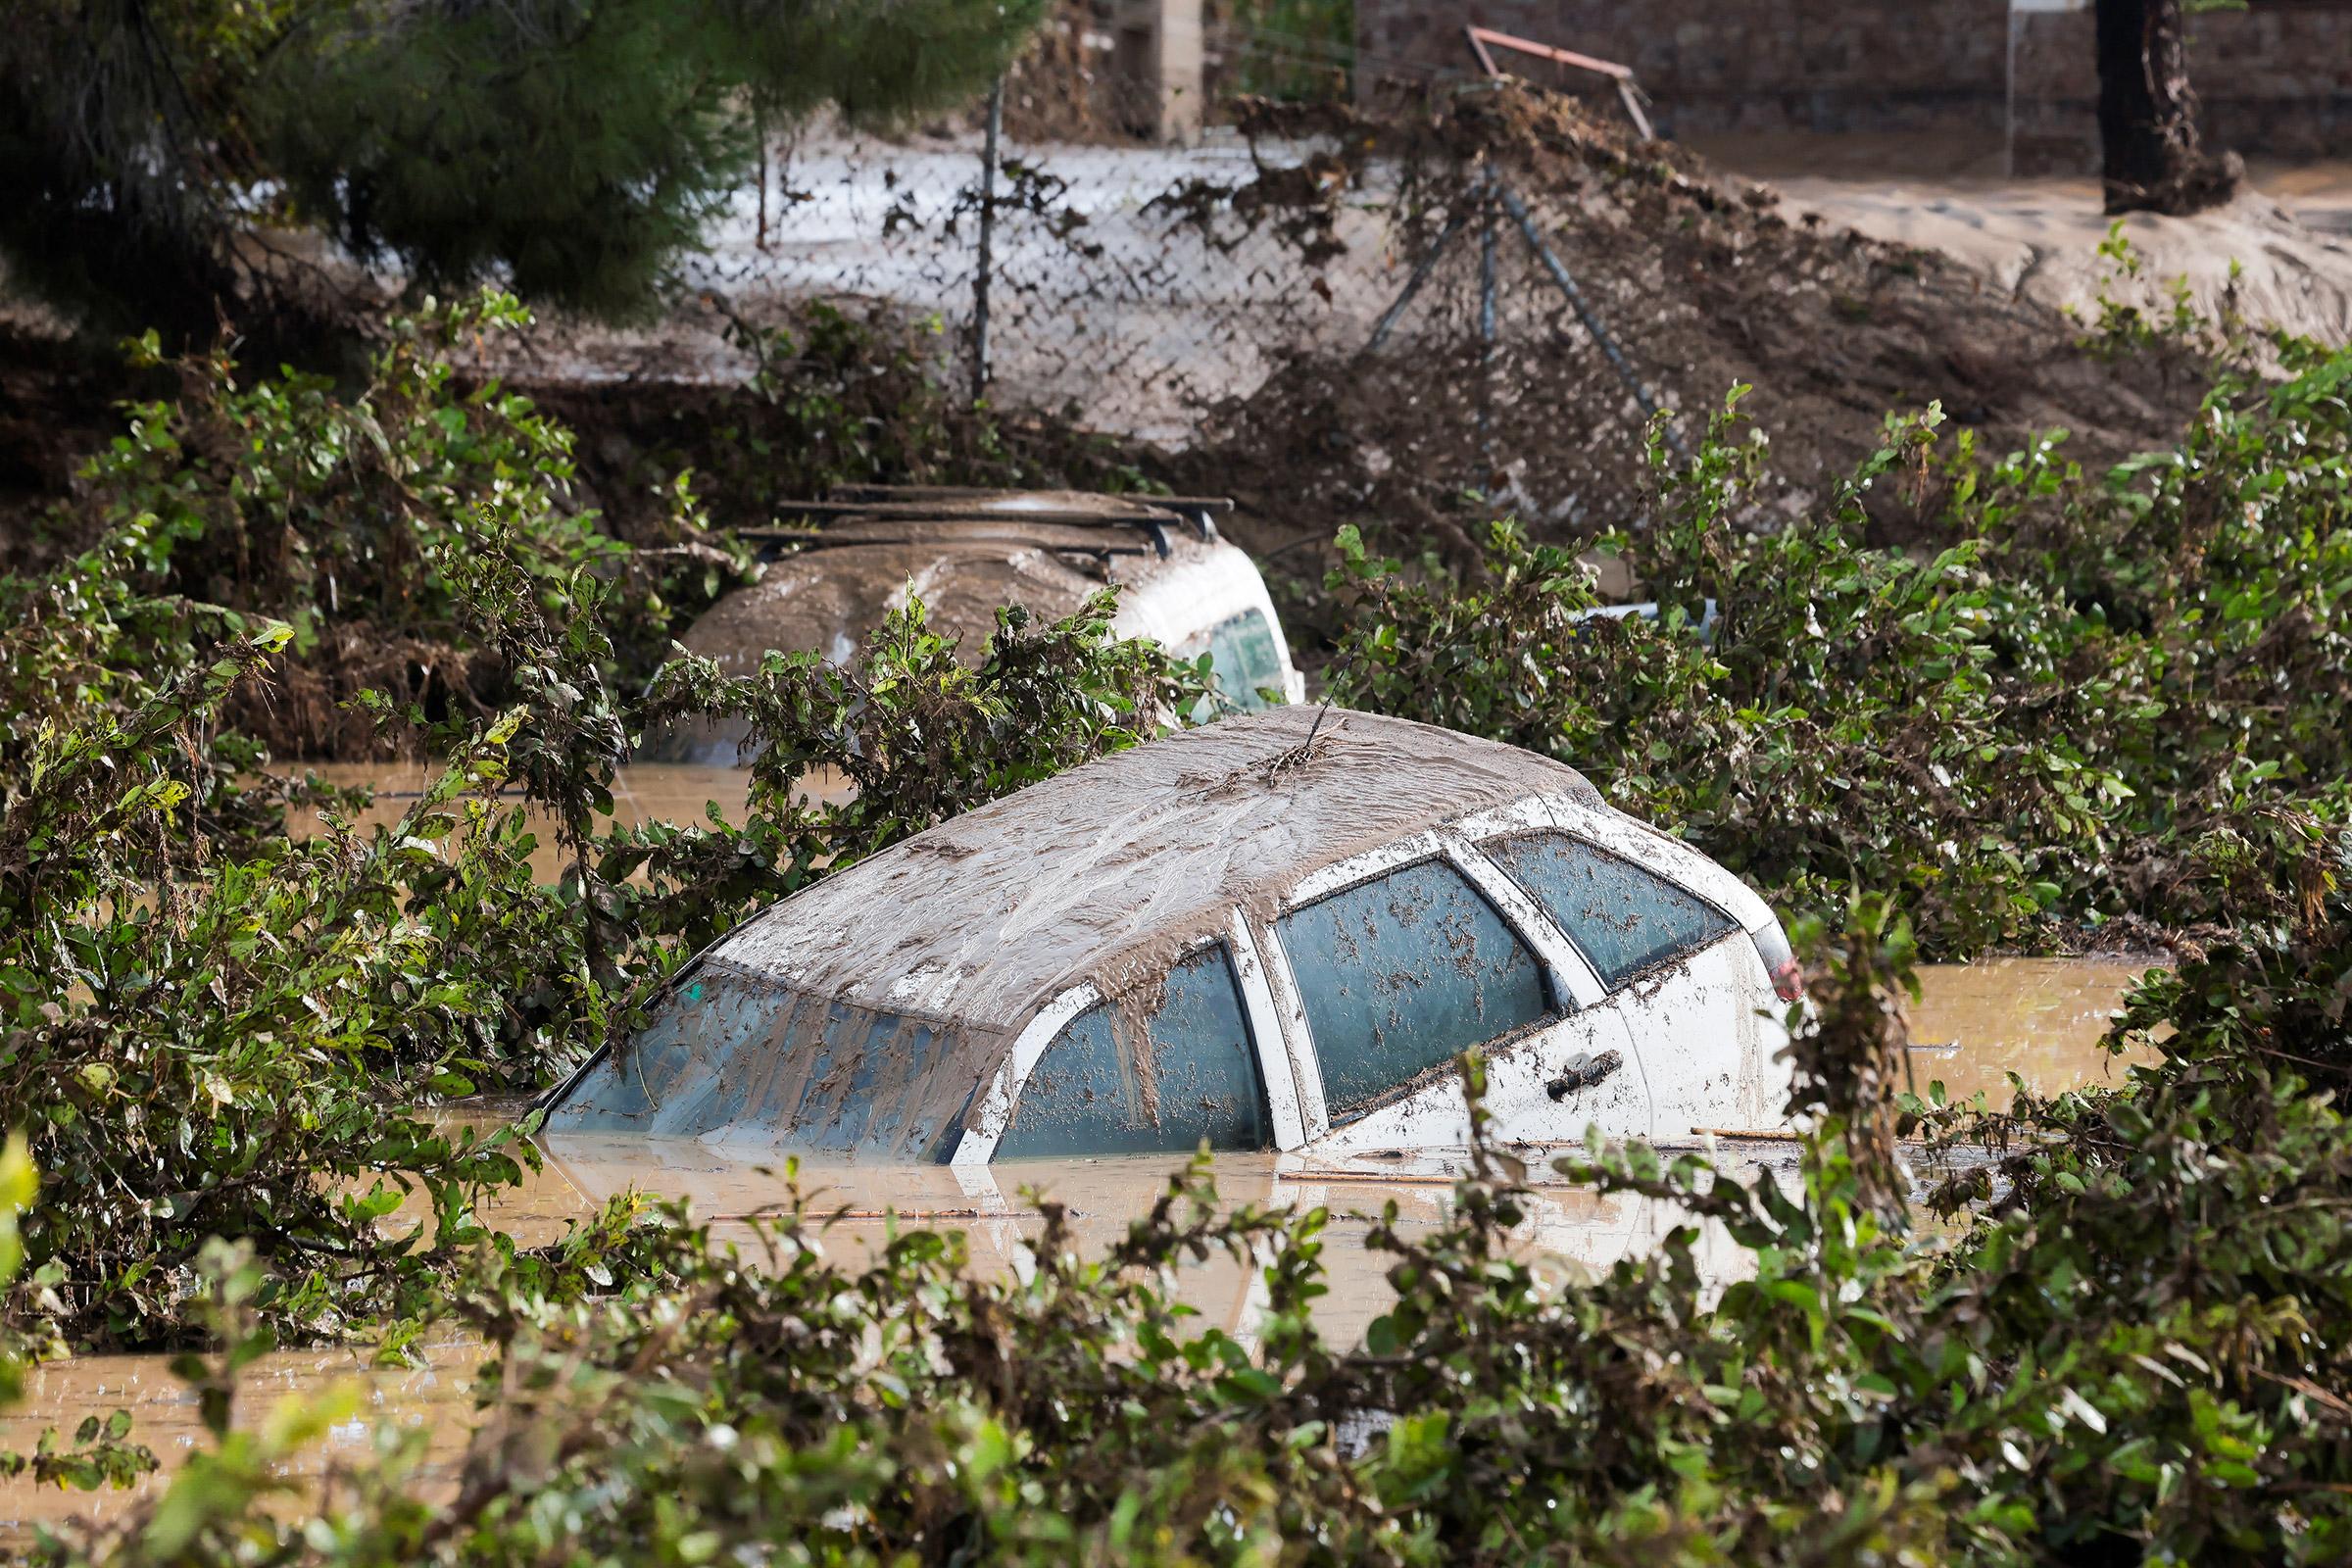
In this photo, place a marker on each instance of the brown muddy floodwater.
(1975, 1024)
(642, 792)
(2041, 1018)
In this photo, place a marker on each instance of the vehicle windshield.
(727, 1047)
(1246, 659)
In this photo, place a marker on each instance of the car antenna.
(1309, 744)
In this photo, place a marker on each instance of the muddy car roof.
(1106, 873)
(947, 500)
(964, 552)
(868, 1012)
(826, 599)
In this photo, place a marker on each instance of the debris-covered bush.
(2027, 732)
(283, 498)
(834, 398)
(209, 1030)
(212, 1028)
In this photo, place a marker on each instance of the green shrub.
(205, 1045)
(2031, 729)
(284, 499)
(833, 399)
(2136, 1352)
(210, 1030)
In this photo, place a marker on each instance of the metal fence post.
(1512, 205)
(988, 236)
(1485, 324)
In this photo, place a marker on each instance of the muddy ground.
(1704, 283)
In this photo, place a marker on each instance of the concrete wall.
(1157, 54)
(2276, 81)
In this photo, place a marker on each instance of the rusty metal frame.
(1628, 93)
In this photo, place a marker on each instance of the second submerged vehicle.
(964, 553)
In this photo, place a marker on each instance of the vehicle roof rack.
(817, 523)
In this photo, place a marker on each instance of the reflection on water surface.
(1975, 1024)
(642, 792)
(2041, 1018)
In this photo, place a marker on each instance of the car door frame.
(1731, 962)
(1571, 986)
(1576, 989)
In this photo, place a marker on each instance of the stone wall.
(2276, 80)
(1719, 66)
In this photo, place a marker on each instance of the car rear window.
(1626, 920)
(1401, 974)
(1195, 1077)
(1244, 657)
(728, 1049)
(675, 1066)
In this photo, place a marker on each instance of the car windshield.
(1192, 1076)
(1624, 919)
(1400, 974)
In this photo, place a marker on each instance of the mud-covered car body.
(964, 553)
(1237, 936)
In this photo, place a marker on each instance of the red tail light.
(1787, 975)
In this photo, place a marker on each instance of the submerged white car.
(966, 552)
(1230, 935)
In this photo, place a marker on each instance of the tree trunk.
(2148, 116)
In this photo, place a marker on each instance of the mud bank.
(1702, 279)
(2278, 258)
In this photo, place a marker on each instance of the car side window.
(1099, 1090)
(1624, 919)
(1401, 974)
(1243, 659)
